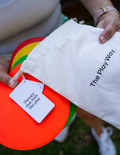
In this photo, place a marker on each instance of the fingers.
(13, 83)
(105, 35)
(6, 79)
(108, 32)
(118, 30)
(110, 22)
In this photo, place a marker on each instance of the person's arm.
(110, 21)
(94, 5)
(4, 77)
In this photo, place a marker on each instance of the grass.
(79, 141)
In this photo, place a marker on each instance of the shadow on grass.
(79, 142)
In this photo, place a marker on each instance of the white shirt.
(24, 19)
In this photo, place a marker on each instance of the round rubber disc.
(24, 49)
(20, 131)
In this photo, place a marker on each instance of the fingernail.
(13, 83)
(103, 39)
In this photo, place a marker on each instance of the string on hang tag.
(23, 76)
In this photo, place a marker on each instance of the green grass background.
(79, 142)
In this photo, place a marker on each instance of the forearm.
(109, 20)
(94, 5)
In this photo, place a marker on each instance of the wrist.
(103, 11)
(94, 5)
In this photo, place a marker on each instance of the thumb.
(106, 35)
(109, 30)
(6, 79)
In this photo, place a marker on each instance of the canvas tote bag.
(73, 62)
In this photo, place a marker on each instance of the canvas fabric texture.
(73, 62)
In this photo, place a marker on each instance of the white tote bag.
(73, 62)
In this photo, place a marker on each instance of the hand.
(110, 22)
(4, 77)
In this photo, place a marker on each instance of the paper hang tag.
(28, 95)
(38, 85)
